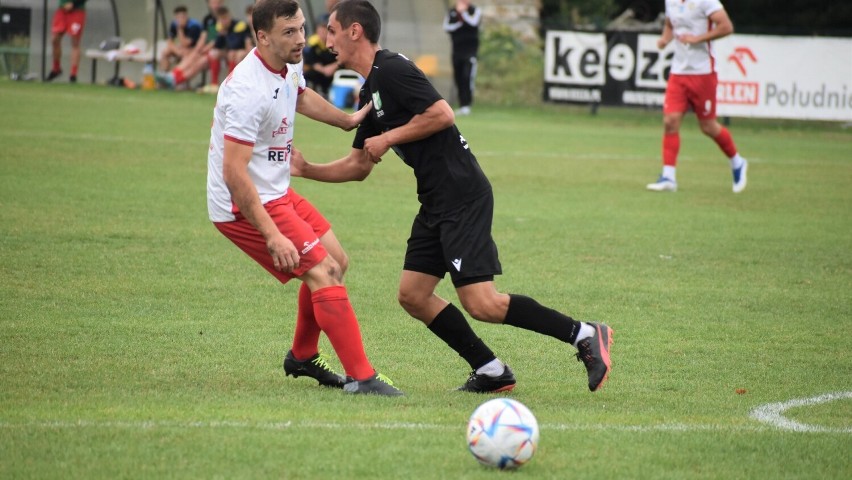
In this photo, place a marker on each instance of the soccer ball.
(502, 433)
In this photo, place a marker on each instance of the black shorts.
(458, 241)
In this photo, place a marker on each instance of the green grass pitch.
(137, 342)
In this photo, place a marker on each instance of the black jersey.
(465, 38)
(448, 175)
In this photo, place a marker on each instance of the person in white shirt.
(693, 25)
(251, 202)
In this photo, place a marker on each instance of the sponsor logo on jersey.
(282, 129)
(278, 154)
(309, 246)
(377, 104)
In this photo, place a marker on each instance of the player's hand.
(376, 147)
(661, 43)
(285, 257)
(297, 163)
(371, 158)
(356, 118)
(687, 39)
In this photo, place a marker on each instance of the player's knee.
(711, 129)
(671, 124)
(332, 270)
(484, 310)
(343, 263)
(410, 301)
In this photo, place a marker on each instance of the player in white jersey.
(250, 200)
(694, 24)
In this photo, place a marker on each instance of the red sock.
(74, 70)
(306, 337)
(56, 66)
(231, 65)
(671, 147)
(337, 319)
(726, 142)
(179, 75)
(215, 66)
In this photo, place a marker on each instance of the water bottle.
(148, 80)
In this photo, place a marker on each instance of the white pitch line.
(771, 416)
(773, 413)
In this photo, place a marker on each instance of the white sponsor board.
(784, 77)
(759, 76)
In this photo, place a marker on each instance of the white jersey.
(692, 17)
(256, 106)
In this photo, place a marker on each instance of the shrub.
(510, 69)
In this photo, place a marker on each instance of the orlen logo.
(282, 129)
(742, 93)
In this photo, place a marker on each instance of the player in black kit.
(452, 231)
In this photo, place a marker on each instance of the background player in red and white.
(693, 25)
(69, 18)
(251, 202)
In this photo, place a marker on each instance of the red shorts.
(70, 22)
(297, 220)
(696, 91)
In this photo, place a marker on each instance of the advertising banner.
(759, 76)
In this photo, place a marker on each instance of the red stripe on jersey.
(229, 138)
(282, 72)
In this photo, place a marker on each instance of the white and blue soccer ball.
(502, 433)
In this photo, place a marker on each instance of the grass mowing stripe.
(100, 137)
(769, 414)
(227, 424)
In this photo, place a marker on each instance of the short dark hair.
(266, 11)
(362, 12)
(180, 9)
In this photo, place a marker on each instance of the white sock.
(494, 368)
(736, 161)
(669, 172)
(586, 331)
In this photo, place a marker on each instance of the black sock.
(451, 327)
(526, 313)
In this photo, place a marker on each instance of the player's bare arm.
(722, 27)
(313, 106)
(436, 118)
(235, 172)
(354, 167)
(666, 36)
